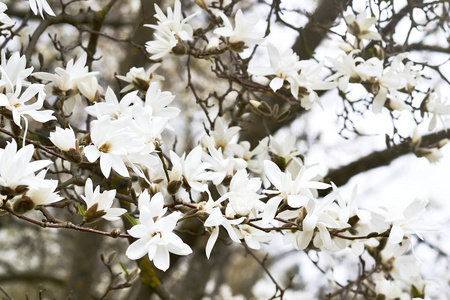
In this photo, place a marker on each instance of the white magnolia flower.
(243, 194)
(17, 103)
(155, 234)
(41, 5)
(215, 220)
(69, 78)
(42, 191)
(159, 101)
(4, 17)
(345, 66)
(252, 236)
(285, 66)
(359, 27)
(13, 71)
(308, 83)
(221, 137)
(15, 166)
(112, 107)
(192, 168)
(64, 139)
(90, 88)
(99, 204)
(221, 166)
(112, 139)
(139, 78)
(170, 30)
(244, 29)
(295, 191)
(410, 221)
(438, 105)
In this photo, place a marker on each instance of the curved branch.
(342, 175)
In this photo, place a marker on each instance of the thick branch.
(342, 175)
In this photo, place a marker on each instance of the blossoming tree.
(179, 155)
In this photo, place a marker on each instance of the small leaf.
(130, 219)
(124, 269)
(80, 209)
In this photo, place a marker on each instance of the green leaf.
(80, 209)
(123, 268)
(130, 219)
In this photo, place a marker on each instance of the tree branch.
(342, 175)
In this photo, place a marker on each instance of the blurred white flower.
(41, 5)
(438, 105)
(139, 78)
(169, 31)
(359, 27)
(285, 66)
(244, 31)
(4, 19)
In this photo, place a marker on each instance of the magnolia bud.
(115, 233)
(174, 186)
(132, 275)
(180, 49)
(202, 4)
(23, 205)
(237, 46)
(73, 156)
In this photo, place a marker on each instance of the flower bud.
(180, 49)
(115, 233)
(132, 275)
(107, 259)
(237, 46)
(202, 4)
(73, 156)
(23, 205)
(174, 186)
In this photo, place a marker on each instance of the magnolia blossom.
(190, 168)
(285, 66)
(14, 71)
(243, 32)
(99, 204)
(70, 77)
(243, 194)
(16, 167)
(295, 191)
(252, 236)
(221, 137)
(112, 140)
(159, 101)
(112, 107)
(409, 221)
(64, 139)
(215, 220)
(438, 105)
(42, 191)
(155, 233)
(359, 27)
(4, 17)
(41, 5)
(139, 78)
(169, 32)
